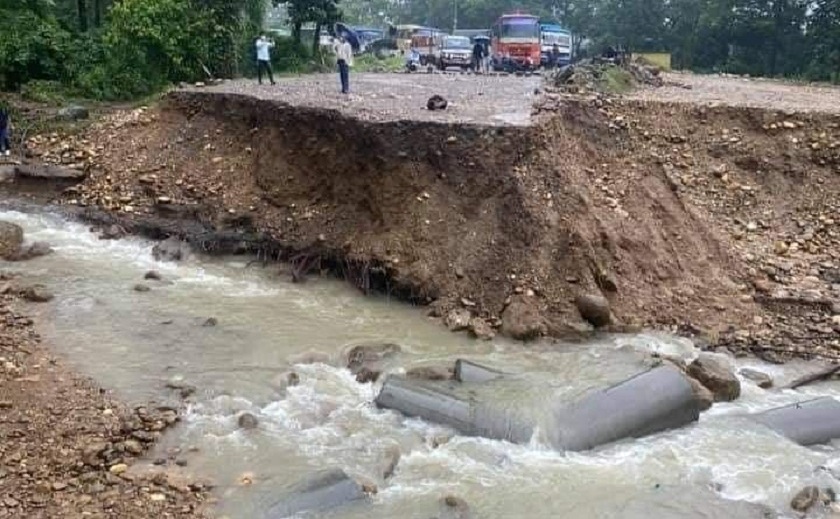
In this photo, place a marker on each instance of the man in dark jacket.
(5, 130)
(477, 56)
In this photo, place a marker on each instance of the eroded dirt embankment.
(637, 202)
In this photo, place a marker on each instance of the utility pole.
(455, 21)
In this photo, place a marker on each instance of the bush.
(31, 47)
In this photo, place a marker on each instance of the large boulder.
(11, 239)
(594, 308)
(171, 249)
(714, 373)
(430, 373)
(522, 319)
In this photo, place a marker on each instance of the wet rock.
(211, 321)
(112, 232)
(30, 251)
(285, 380)
(11, 239)
(171, 249)
(430, 373)
(153, 275)
(457, 319)
(594, 308)
(140, 287)
(809, 496)
(714, 373)
(761, 379)
(436, 102)
(481, 329)
(36, 294)
(453, 507)
(370, 356)
(522, 320)
(184, 389)
(704, 397)
(247, 421)
(366, 375)
(73, 113)
(390, 460)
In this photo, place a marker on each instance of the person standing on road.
(5, 130)
(478, 56)
(344, 56)
(264, 47)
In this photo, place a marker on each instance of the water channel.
(134, 343)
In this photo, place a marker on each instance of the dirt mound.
(615, 198)
(591, 76)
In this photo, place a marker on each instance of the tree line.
(793, 38)
(122, 49)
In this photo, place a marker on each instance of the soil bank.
(697, 219)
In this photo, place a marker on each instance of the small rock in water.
(33, 250)
(453, 507)
(211, 321)
(761, 379)
(140, 287)
(37, 294)
(390, 460)
(247, 421)
(807, 498)
(365, 375)
(112, 232)
(153, 274)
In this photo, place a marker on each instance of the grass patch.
(615, 80)
(372, 63)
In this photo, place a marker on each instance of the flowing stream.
(135, 342)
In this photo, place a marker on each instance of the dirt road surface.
(736, 91)
(492, 100)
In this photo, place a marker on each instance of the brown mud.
(713, 221)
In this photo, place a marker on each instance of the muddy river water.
(135, 342)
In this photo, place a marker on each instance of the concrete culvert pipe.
(806, 423)
(468, 371)
(650, 402)
(322, 491)
(467, 416)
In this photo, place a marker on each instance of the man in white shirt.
(344, 56)
(264, 47)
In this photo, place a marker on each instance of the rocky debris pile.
(70, 449)
(595, 76)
